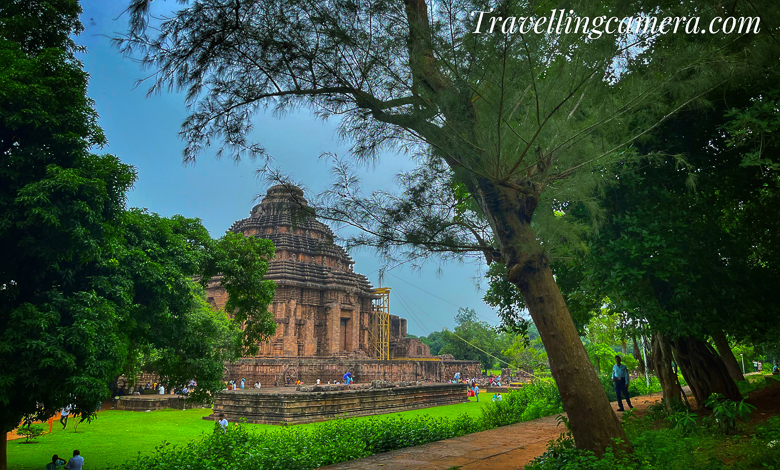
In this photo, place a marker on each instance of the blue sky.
(144, 133)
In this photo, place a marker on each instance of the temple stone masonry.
(326, 320)
(319, 403)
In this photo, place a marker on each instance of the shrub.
(302, 448)
(535, 400)
(639, 386)
(31, 432)
(684, 421)
(727, 412)
(770, 430)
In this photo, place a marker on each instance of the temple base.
(321, 403)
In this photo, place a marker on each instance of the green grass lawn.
(118, 436)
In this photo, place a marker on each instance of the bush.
(535, 400)
(770, 430)
(636, 387)
(727, 412)
(639, 386)
(31, 432)
(302, 448)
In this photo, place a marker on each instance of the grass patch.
(119, 436)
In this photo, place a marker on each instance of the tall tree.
(675, 252)
(85, 284)
(507, 118)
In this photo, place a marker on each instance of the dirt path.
(508, 447)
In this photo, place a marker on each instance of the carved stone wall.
(270, 371)
(322, 308)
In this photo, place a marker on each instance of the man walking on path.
(620, 377)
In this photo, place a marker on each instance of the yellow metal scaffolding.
(382, 305)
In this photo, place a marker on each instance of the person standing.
(162, 389)
(64, 413)
(620, 378)
(76, 462)
(476, 392)
(243, 382)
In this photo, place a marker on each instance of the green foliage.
(685, 446)
(62, 329)
(535, 400)
(435, 341)
(754, 128)
(727, 412)
(296, 447)
(639, 386)
(475, 340)
(527, 356)
(636, 387)
(88, 287)
(770, 429)
(31, 432)
(686, 422)
(344, 439)
(506, 298)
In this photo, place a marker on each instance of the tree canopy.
(86, 286)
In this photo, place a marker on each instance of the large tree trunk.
(728, 356)
(594, 424)
(703, 369)
(662, 363)
(648, 351)
(4, 452)
(638, 356)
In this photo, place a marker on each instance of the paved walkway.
(508, 447)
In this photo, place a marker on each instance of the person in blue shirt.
(620, 378)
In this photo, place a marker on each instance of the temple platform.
(154, 402)
(308, 404)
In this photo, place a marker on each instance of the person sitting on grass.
(76, 462)
(495, 397)
(56, 463)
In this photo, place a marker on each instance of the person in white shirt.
(162, 389)
(223, 422)
(76, 462)
(318, 381)
(64, 416)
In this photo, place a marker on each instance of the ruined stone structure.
(323, 403)
(324, 311)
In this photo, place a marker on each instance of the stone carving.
(322, 308)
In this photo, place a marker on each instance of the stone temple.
(327, 322)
